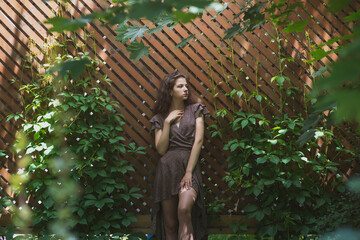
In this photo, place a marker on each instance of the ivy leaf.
(114, 15)
(256, 191)
(244, 123)
(246, 171)
(261, 160)
(305, 230)
(109, 181)
(120, 186)
(190, 3)
(81, 212)
(318, 54)
(84, 108)
(258, 98)
(121, 30)
(165, 19)
(113, 140)
(147, 9)
(7, 203)
(93, 130)
(274, 159)
(110, 189)
(102, 173)
(319, 72)
(254, 17)
(295, 5)
(272, 141)
(354, 16)
(183, 17)
(259, 152)
(259, 215)
(2, 153)
(44, 124)
(183, 43)
(125, 197)
(305, 137)
(137, 50)
(252, 120)
(48, 150)
(88, 203)
(296, 26)
(61, 24)
(156, 29)
(74, 67)
(37, 127)
(346, 110)
(354, 184)
(337, 5)
(101, 203)
(344, 69)
(65, 107)
(250, 208)
(48, 202)
(286, 160)
(90, 196)
(219, 8)
(283, 131)
(300, 197)
(135, 31)
(109, 107)
(126, 222)
(122, 149)
(234, 30)
(271, 230)
(136, 195)
(269, 182)
(318, 134)
(279, 79)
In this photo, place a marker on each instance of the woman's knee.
(184, 211)
(171, 227)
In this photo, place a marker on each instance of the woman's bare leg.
(186, 202)
(169, 212)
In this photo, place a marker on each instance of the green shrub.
(72, 147)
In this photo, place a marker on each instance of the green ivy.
(290, 177)
(343, 211)
(288, 183)
(73, 149)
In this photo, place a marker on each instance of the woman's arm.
(162, 138)
(186, 182)
(162, 135)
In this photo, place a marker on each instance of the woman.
(178, 209)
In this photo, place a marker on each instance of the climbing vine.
(291, 176)
(72, 149)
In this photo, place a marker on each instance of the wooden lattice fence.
(135, 82)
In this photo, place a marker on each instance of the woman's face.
(180, 90)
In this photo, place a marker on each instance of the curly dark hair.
(163, 102)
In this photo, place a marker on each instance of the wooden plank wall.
(135, 82)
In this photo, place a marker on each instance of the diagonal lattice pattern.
(134, 82)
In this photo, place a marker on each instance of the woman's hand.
(174, 115)
(186, 181)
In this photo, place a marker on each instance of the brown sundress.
(171, 169)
